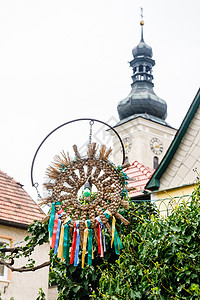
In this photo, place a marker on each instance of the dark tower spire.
(141, 23)
(142, 100)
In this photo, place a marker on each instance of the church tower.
(142, 126)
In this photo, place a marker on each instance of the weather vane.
(142, 21)
(141, 9)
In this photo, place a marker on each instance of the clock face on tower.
(156, 146)
(127, 144)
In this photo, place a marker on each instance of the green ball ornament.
(86, 192)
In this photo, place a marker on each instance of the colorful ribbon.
(113, 230)
(77, 245)
(115, 236)
(54, 231)
(104, 239)
(60, 246)
(73, 248)
(60, 213)
(51, 220)
(56, 226)
(57, 236)
(90, 248)
(117, 243)
(85, 237)
(66, 240)
(99, 236)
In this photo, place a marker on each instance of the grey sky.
(61, 60)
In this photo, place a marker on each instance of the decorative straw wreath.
(84, 216)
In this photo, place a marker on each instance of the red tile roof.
(15, 204)
(141, 174)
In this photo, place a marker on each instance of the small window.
(141, 68)
(155, 162)
(147, 69)
(3, 269)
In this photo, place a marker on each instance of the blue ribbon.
(104, 239)
(57, 236)
(77, 245)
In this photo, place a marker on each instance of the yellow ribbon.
(113, 230)
(60, 246)
(85, 237)
(66, 220)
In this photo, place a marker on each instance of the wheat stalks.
(76, 151)
(107, 153)
(92, 149)
(102, 152)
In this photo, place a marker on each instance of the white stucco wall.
(141, 131)
(25, 286)
(187, 157)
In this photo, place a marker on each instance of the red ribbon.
(54, 231)
(99, 237)
(73, 244)
(55, 228)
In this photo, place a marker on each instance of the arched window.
(155, 162)
(147, 69)
(140, 68)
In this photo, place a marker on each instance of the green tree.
(160, 259)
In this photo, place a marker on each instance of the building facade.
(178, 173)
(17, 212)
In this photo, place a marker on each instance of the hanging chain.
(90, 135)
(38, 193)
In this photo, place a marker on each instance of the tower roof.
(142, 49)
(142, 98)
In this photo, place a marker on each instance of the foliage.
(41, 295)
(160, 259)
(2, 298)
(77, 283)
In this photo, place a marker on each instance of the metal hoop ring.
(69, 122)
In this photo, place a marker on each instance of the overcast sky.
(62, 60)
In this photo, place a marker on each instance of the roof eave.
(154, 182)
(14, 224)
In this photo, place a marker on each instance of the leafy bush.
(77, 283)
(160, 259)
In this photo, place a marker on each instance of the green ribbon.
(51, 220)
(66, 242)
(90, 237)
(117, 242)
